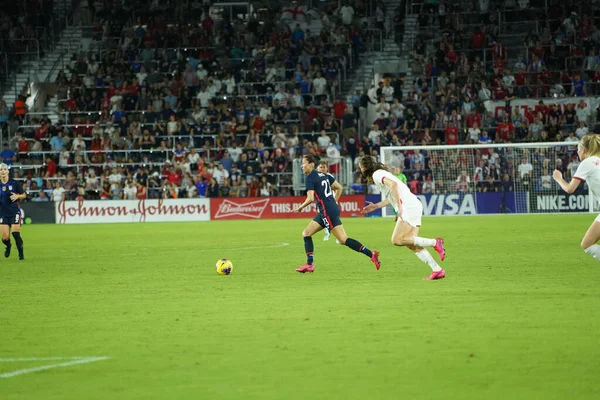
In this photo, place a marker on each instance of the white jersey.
(407, 198)
(589, 171)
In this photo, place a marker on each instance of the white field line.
(40, 359)
(85, 360)
(253, 247)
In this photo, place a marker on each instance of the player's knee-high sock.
(423, 242)
(357, 246)
(18, 240)
(424, 256)
(309, 248)
(594, 251)
(6, 242)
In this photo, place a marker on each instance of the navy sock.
(310, 248)
(18, 240)
(357, 246)
(6, 242)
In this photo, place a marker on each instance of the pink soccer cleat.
(375, 259)
(306, 268)
(435, 275)
(439, 247)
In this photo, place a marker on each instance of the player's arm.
(18, 194)
(370, 207)
(567, 187)
(337, 190)
(310, 198)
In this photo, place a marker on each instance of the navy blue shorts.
(13, 220)
(328, 221)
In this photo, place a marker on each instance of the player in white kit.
(588, 171)
(409, 209)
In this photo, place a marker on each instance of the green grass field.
(516, 318)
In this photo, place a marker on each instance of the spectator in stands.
(8, 155)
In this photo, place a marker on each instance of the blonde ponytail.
(591, 144)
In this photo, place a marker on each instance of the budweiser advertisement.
(277, 207)
(111, 211)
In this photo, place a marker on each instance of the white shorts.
(412, 213)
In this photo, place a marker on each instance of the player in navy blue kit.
(325, 190)
(10, 211)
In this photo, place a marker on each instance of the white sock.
(594, 251)
(424, 256)
(424, 242)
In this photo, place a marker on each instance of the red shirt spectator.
(472, 118)
(23, 146)
(312, 111)
(71, 104)
(42, 131)
(174, 177)
(451, 134)
(50, 168)
(505, 131)
(339, 108)
(499, 51)
(478, 39)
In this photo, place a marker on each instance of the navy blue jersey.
(9, 208)
(321, 184)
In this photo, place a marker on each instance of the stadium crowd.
(221, 107)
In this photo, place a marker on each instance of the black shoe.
(21, 255)
(7, 251)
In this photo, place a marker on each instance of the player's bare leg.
(308, 232)
(6, 240)
(590, 240)
(404, 230)
(342, 237)
(404, 235)
(16, 232)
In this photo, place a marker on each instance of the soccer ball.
(224, 266)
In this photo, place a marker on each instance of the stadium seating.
(158, 82)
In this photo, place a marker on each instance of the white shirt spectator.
(388, 93)
(205, 97)
(141, 76)
(526, 168)
(220, 175)
(201, 72)
(63, 159)
(374, 134)
(57, 194)
(581, 132)
(78, 143)
(508, 80)
(333, 154)
(523, 4)
(398, 110)
(347, 14)
(230, 83)
(319, 85)
(583, 114)
(193, 158)
(129, 192)
(235, 153)
(474, 134)
(323, 141)
(484, 6)
(114, 179)
(265, 112)
(283, 98)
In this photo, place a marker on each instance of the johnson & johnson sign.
(111, 211)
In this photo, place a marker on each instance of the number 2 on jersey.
(327, 189)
